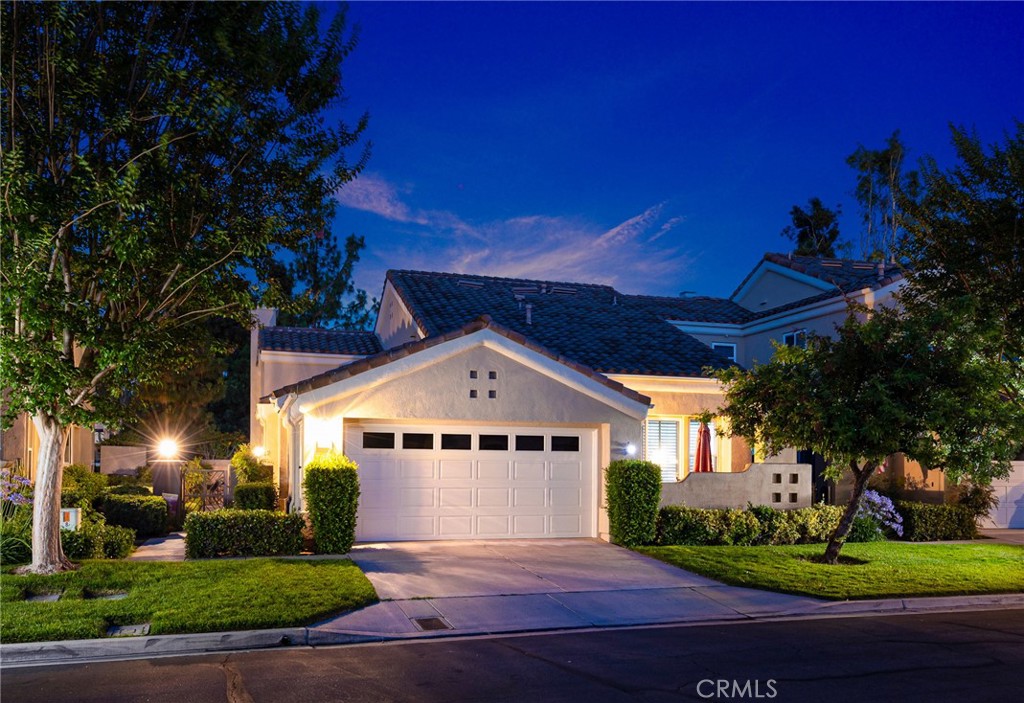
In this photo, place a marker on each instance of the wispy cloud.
(533, 246)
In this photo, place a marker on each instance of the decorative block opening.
(776, 497)
(776, 478)
(472, 374)
(792, 497)
(472, 393)
(794, 478)
(492, 394)
(492, 375)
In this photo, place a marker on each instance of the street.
(970, 656)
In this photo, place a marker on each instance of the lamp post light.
(167, 449)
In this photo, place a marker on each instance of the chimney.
(529, 313)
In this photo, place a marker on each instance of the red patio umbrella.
(702, 460)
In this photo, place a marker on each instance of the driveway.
(474, 587)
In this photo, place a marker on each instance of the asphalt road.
(973, 657)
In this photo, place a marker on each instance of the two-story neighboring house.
(484, 407)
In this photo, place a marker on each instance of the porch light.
(259, 452)
(630, 449)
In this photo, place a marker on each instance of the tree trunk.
(838, 538)
(47, 554)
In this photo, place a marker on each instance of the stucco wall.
(20, 446)
(115, 460)
(760, 484)
(394, 325)
(776, 289)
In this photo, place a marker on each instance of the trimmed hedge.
(146, 514)
(256, 496)
(682, 525)
(128, 489)
(634, 491)
(81, 487)
(923, 522)
(246, 533)
(96, 540)
(332, 496)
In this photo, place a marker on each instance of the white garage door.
(421, 483)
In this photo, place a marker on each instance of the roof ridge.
(476, 276)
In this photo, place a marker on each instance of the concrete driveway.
(474, 587)
(406, 570)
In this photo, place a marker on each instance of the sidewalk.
(169, 548)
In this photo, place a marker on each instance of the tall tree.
(881, 180)
(814, 230)
(966, 245)
(893, 383)
(322, 291)
(156, 157)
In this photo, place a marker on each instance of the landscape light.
(167, 449)
(259, 452)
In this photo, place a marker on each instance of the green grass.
(194, 596)
(880, 569)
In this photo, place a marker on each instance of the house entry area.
(423, 482)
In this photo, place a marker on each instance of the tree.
(326, 296)
(814, 230)
(157, 158)
(880, 183)
(887, 383)
(965, 246)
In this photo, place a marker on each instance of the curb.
(111, 649)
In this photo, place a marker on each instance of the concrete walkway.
(169, 548)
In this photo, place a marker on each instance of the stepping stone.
(128, 630)
(44, 598)
(106, 596)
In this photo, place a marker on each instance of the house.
(19, 446)
(484, 407)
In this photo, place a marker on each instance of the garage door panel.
(493, 525)
(417, 468)
(566, 471)
(452, 470)
(492, 497)
(529, 471)
(493, 469)
(451, 492)
(529, 497)
(566, 498)
(455, 497)
(528, 524)
(416, 498)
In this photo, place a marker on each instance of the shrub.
(130, 489)
(147, 515)
(81, 487)
(634, 491)
(865, 528)
(242, 533)
(248, 467)
(979, 498)
(678, 524)
(256, 496)
(682, 525)
(97, 540)
(332, 496)
(923, 522)
(140, 476)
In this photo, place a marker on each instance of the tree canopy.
(881, 183)
(157, 158)
(814, 230)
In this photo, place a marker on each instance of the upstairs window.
(796, 338)
(727, 350)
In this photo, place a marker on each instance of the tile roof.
(846, 275)
(592, 324)
(483, 322)
(319, 341)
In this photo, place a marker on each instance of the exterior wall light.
(167, 449)
(259, 452)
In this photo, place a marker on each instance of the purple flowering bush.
(877, 516)
(15, 518)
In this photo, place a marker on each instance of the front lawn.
(873, 570)
(175, 597)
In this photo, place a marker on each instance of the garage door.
(420, 483)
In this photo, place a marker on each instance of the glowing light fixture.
(167, 449)
(259, 452)
(630, 449)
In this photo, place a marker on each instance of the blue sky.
(654, 147)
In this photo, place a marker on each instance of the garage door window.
(529, 443)
(565, 444)
(457, 441)
(494, 442)
(378, 440)
(417, 440)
